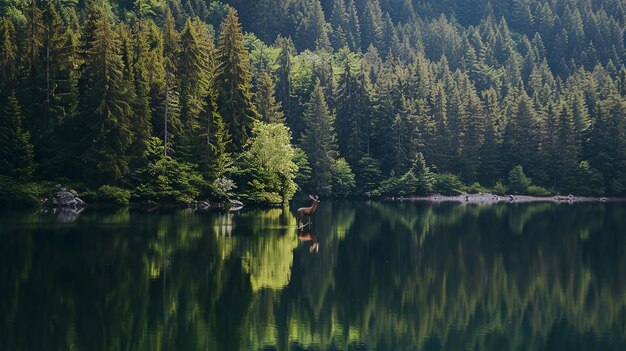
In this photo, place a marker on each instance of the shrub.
(448, 184)
(16, 194)
(113, 195)
(342, 178)
(590, 180)
(518, 181)
(499, 188)
(536, 190)
(476, 188)
(163, 178)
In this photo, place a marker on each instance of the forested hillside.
(178, 100)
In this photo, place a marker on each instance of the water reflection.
(390, 276)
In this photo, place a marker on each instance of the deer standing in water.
(307, 211)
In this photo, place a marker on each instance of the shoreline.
(492, 199)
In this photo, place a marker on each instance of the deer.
(308, 211)
(309, 237)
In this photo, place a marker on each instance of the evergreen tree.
(568, 160)
(8, 55)
(233, 82)
(194, 72)
(268, 109)
(490, 151)
(318, 140)
(16, 151)
(352, 121)
(171, 50)
(105, 109)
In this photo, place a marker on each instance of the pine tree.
(568, 159)
(16, 151)
(318, 140)
(520, 143)
(233, 82)
(140, 66)
(339, 24)
(352, 123)
(490, 150)
(32, 81)
(269, 110)
(353, 32)
(406, 136)
(194, 72)
(105, 109)
(8, 55)
(171, 50)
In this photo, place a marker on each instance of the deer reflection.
(309, 236)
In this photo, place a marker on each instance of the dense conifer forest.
(172, 100)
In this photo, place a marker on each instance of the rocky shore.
(487, 198)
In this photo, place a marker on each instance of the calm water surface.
(384, 276)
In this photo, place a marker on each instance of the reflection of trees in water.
(470, 284)
(387, 276)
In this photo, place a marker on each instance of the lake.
(368, 275)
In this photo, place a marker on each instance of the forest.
(172, 101)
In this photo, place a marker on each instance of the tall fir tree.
(8, 56)
(352, 123)
(194, 72)
(490, 151)
(105, 108)
(269, 110)
(16, 151)
(318, 140)
(170, 121)
(234, 81)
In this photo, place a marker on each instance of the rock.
(236, 205)
(65, 199)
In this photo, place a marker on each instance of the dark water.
(386, 276)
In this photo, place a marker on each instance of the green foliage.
(542, 87)
(405, 185)
(518, 181)
(16, 194)
(591, 181)
(319, 140)
(342, 178)
(448, 184)
(266, 169)
(476, 188)
(163, 178)
(499, 188)
(304, 168)
(233, 81)
(536, 190)
(368, 174)
(16, 151)
(112, 195)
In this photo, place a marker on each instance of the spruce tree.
(8, 55)
(233, 82)
(318, 140)
(490, 150)
(353, 124)
(568, 160)
(269, 110)
(16, 151)
(171, 111)
(105, 108)
(194, 71)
